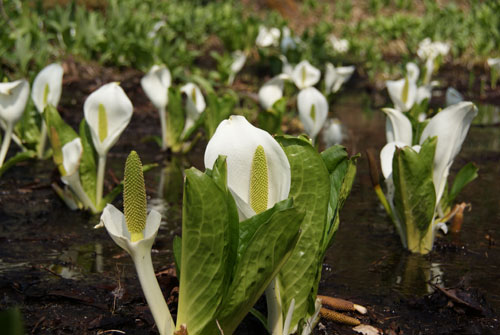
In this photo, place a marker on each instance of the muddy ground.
(70, 279)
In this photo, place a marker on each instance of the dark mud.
(68, 278)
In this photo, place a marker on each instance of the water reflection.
(416, 275)
(74, 263)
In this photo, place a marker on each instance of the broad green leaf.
(466, 174)
(177, 248)
(310, 189)
(19, 157)
(28, 128)
(270, 120)
(218, 109)
(11, 321)
(88, 165)
(175, 118)
(266, 252)
(415, 197)
(205, 251)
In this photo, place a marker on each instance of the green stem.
(418, 242)
(6, 142)
(42, 140)
(383, 200)
(100, 180)
(163, 121)
(274, 308)
(152, 292)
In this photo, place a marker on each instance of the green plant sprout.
(415, 164)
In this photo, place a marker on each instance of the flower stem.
(74, 183)
(100, 180)
(42, 140)
(274, 308)
(6, 142)
(153, 294)
(163, 121)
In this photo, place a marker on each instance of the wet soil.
(68, 278)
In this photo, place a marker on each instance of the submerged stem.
(42, 140)
(100, 180)
(152, 292)
(6, 142)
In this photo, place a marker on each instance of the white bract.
(428, 49)
(71, 156)
(305, 75)
(267, 37)
(333, 133)
(107, 111)
(287, 41)
(453, 97)
(140, 251)
(286, 67)
(339, 45)
(258, 171)
(494, 64)
(313, 110)
(47, 87)
(272, 91)
(239, 59)
(156, 84)
(195, 104)
(405, 92)
(335, 77)
(13, 99)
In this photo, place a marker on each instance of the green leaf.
(28, 128)
(310, 189)
(218, 109)
(11, 321)
(466, 174)
(177, 248)
(17, 158)
(175, 118)
(267, 250)
(59, 133)
(415, 197)
(270, 120)
(88, 165)
(205, 251)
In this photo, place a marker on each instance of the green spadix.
(134, 197)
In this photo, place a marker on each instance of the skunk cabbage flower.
(339, 45)
(156, 84)
(397, 127)
(336, 77)
(305, 75)
(494, 64)
(13, 99)
(313, 110)
(239, 59)
(135, 233)
(403, 93)
(333, 133)
(258, 171)
(428, 49)
(195, 104)
(287, 41)
(450, 126)
(412, 71)
(71, 156)
(272, 91)
(267, 37)
(47, 87)
(107, 112)
(453, 97)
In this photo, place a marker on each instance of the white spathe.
(272, 91)
(335, 77)
(156, 83)
(47, 87)
(238, 140)
(72, 153)
(140, 251)
(313, 110)
(239, 59)
(430, 50)
(268, 37)
(13, 98)
(396, 89)
(397, 127)
(339, 45)
(333, 132)
(412, 71)
(453, 96)
(286, 67)
(195, 104)
(450, 126)
(305, 75)
(288, 42)
(387, 155)
(118, 111)
(494, 63)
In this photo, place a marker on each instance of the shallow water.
(366, 262)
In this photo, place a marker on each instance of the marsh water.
(68, 277)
